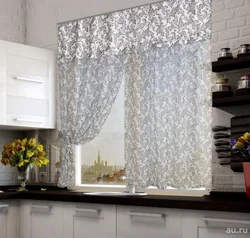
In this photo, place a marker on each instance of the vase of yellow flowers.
(242, 146)
(24, 154)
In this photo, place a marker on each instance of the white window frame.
(120, 188)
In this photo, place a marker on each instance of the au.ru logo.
(237, 231)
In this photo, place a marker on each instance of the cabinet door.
(89, 220)
(148, 222)
(9, 219)
(3, 219)
(42, 219)
(29, 91)
(197, 224)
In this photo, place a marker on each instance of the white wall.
(12, 20)
(12, 28)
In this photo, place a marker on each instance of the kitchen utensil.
(225, 161)
(220, 128)
(225, 53)
(244, 50)
(222, 149)
(221, 142)
(223, 156)
(221, 135)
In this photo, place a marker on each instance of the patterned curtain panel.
(162, 52)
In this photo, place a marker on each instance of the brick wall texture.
(37, 27)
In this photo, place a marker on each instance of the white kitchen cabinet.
(81, 220)
(41, 219)
(202, 224)
(148, 222)
(9, 219)
(27, 86)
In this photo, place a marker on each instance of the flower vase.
(23, 175)
(246, 169)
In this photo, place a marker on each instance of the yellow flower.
(21, 163)
(13, 144)
(29, 153)
(20, 148)
(32, 142)
(42, 153)
(44, 160)
(38, 163)
(6, 146)
(240, 145)
(5, 161)
(39, 148)
(246, 137)
(24, 142)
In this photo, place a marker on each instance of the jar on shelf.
(225, 53)
(244, 50)
(243, 87)
(221, 88)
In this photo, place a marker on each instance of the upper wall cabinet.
(27, 87)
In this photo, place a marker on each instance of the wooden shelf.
(231, 64)
(231, 101)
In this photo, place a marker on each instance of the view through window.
(102, 160)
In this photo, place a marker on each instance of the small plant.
(242, 145)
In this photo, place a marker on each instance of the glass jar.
(221, 88)
(244, 81)
(244, 50)
(225, 53)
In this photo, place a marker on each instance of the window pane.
(102, 160)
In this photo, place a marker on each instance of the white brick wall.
(12, 20)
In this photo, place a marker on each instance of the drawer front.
(209, 224)
(24, 85)
(89, 220)
(142, 222)
(27, 106)
(27, 65)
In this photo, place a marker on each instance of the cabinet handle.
(26, 120)
(98, 211)
(28, 80)
(47, 207)
(217, 220)
(142, 214)
(4, 205)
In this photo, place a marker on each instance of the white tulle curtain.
(161, 50)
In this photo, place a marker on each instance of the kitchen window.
(101, 161)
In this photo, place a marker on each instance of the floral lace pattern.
(88, 89)
(158, 24)
(160, 49)
(168, 117)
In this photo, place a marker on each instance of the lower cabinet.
(9, 219)
(41, 219)
(202, 224)
(48, 219)
(89, 220)
(147, 222)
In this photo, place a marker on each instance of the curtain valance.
(158, 24)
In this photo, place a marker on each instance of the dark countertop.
(231, 202)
